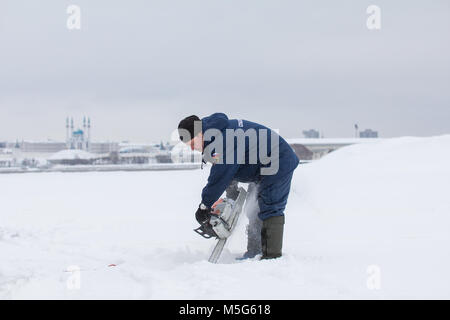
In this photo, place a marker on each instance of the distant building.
(8, 162)
(72, 157)
(311, 134)
(323, 146)
(135, 154)
(368, 133)
(302, 152)
(78, 139)
(6, 151)
(42, 146)
(103, 147)
(164, 158)
(2, 145)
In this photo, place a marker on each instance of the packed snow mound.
(396, 176)
(71, 154)
(366, 221)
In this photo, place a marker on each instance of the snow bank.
(367, 221)
(71, 154)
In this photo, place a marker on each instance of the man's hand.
(203, 215)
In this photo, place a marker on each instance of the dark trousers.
(273, 193)
(265, 199)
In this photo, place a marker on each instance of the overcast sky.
(137, 67)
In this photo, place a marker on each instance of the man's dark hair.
(188, 124)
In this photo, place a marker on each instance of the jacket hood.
(215, 121)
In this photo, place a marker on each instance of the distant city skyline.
(84, 127)
(137, 68)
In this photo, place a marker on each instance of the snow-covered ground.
(367, 221)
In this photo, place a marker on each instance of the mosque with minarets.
(77, 138)
(80, 138)
(78, 148)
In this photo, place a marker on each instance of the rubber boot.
(272, 237)
(254, 239)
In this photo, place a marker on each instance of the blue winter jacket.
(227, 168)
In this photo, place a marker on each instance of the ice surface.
(368, 221)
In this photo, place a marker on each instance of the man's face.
(196, 143)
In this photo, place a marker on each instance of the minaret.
(85, 144)
(71, 131)
(67, 134)
(89, 134)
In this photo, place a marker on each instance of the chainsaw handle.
(201, 231)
